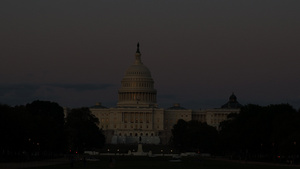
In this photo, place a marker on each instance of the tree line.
(257, 133)
(39, 129)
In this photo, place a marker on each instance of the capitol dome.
(138, 70)
(137, 86)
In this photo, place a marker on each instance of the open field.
(164, 163)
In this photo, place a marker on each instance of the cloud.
(20, 90)
(4, 88)
(16, 94)
(81, 87)
(167, 96)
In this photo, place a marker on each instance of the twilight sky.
(75, 52)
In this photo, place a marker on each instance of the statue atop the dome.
(138, 55)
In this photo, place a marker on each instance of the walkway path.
(33, 164)
(255, 162)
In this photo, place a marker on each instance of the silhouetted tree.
(6, 128)
(261, 132)
(179, 135)
(83, 131)
(46, 126)
(202, 136)
(34, 129)
(194, 136)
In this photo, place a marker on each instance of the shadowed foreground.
(149, 163)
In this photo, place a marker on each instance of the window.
(136, 118)
(131, 118)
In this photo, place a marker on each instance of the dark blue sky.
(199, 52)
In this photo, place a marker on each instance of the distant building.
(137, 118)
(232, 103)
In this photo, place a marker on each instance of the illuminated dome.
(137, 88)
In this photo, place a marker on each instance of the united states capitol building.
(137, 117)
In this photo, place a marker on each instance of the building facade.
(137, 118)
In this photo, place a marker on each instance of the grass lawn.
(163, 163)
